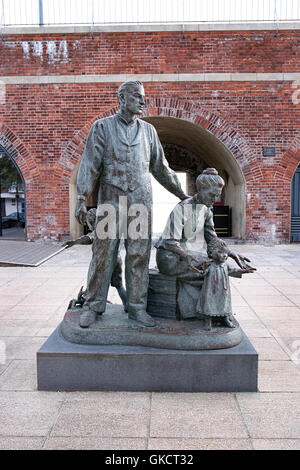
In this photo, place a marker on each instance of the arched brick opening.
(26, 165)
(285, 173)
(289, 162)
(16, 149)
(210, 127)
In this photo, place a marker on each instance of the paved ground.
(25, 253)
(267, 305)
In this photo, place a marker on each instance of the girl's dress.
(215, 295)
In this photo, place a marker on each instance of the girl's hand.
(248, 270)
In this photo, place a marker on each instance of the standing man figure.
(121, 151)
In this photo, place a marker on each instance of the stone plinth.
(62, 365)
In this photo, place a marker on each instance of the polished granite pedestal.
(65, 365)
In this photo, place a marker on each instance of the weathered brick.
(44, 126)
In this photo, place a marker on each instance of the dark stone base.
(114, 328)
(62, 365)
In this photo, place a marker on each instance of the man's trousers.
(121, 213)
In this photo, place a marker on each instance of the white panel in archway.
(164, 202)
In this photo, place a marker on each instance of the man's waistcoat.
(126, 159)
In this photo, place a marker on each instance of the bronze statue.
(215, 297)
(121, 151)
(116, 277)
(174, 256)
(188, 286)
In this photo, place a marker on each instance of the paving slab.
(17, 327)
(199, 444)
(292, 347)
(282, 274)
(280, 329)
(245, 312)
(293, 298)
(268, 419)
(283, 283)
(269, 315)
(21, 347)
(201, 415)
(19, 375)
(105, 414)
(249, 291)
(30, 414)
(271, 415)
(269, 349)
(254, 328)
(276, 444)
(94, 443)
(21, 443)
(268, 301)
(278, 376)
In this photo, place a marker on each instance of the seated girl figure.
(215, 296)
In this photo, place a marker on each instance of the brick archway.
(27, 166)
(289, 162)
(285, 173)
(17, 150)
(211, 123)
(181, 109)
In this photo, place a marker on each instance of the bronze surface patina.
(120, 154)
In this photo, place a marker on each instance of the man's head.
(131, 97)
(209, 186)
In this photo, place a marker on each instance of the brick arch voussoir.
(181, 109)
(20, 154)
(289, 162)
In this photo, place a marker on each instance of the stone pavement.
(24, 253)
(267, 305)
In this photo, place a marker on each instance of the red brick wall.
(40, 121)
(164, 52)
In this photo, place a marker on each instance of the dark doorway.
(12, 198)
(295, 216)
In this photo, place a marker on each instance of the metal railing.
(96, 12)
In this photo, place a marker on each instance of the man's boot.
(141, 317)
(87, 317)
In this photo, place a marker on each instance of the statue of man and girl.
(121, 152)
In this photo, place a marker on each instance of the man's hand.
(81, 212)
(68, 243)
(241, 261)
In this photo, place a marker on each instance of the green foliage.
(9, 174)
